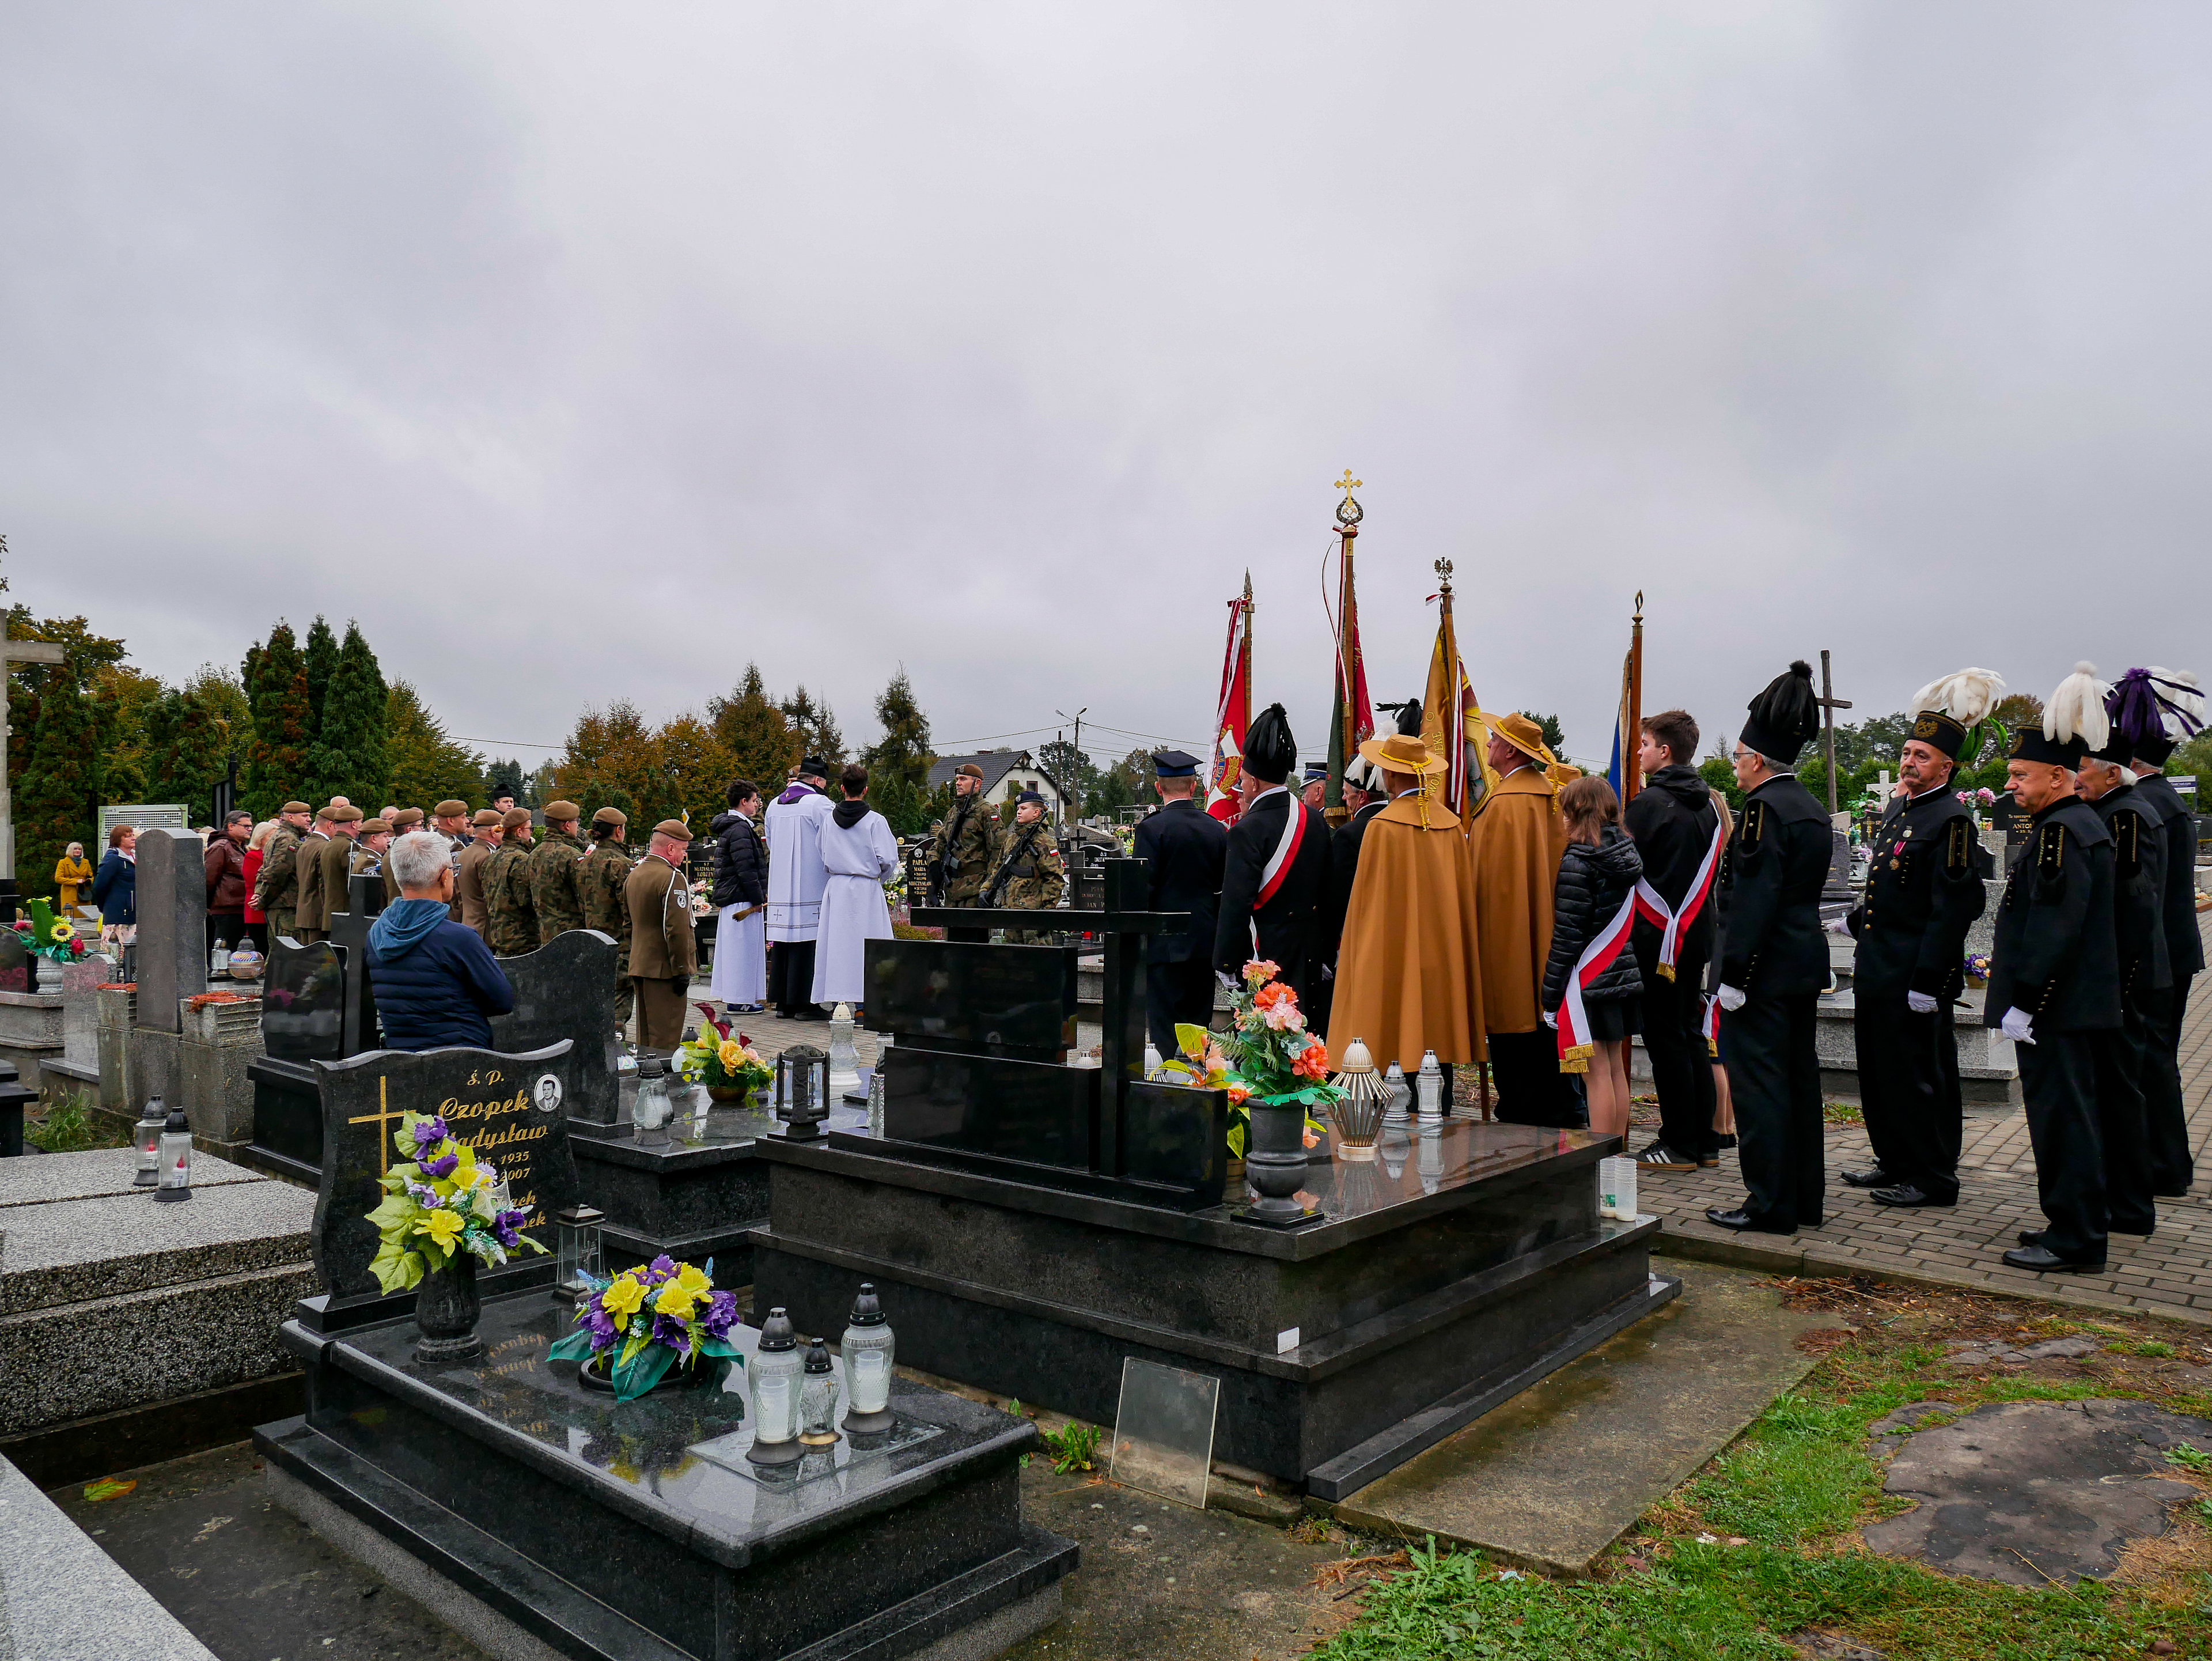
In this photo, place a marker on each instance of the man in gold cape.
(1406, 978)
(1515, 844)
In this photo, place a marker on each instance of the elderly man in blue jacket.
(436, 983)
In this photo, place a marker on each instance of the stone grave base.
(30, 1032)
(543, 1520)
(287, 1120)
(1448, 1277)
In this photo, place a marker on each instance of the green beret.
(407, 816)
(562, 810)
(449, 809)
(295, 807)
(611, 816)
(345, 815)
(487, 818)
(515, 816)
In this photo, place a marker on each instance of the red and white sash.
(1277, 868)
(1709, 1025)
(1575, 1044)
(1674, 922)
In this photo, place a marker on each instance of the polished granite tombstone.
(696, 1194)
(510, 1109)
(303, 1021)
(1458, 1267)
(566, 989)
(533, 1513)
(171, 912)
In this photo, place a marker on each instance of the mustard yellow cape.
(1407, 979)
(1514, 844)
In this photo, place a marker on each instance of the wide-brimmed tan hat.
(1403, 752)
(1523, 733)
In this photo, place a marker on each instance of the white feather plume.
(2076, 710)
(1965, 696)
(2178, 702)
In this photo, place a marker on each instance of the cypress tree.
(322, 662)
(898, 762)
(276, 760)
(187, 742)
(60, 780)
(349, 757)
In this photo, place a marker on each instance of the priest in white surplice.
(861, 856)
(794, 824)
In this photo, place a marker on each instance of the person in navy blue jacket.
(436, 983)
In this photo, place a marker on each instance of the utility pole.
(1070, 814)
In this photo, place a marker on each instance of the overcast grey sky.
(586, 351)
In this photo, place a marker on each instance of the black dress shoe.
(1744, 1222)
(2120, 1228)
(1873, 1176)
(1907, 1195)
(2030, 1236)
(1728, 1140)
(2043, 1261)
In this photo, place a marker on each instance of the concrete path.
(1555, 1475)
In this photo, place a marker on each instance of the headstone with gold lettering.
(511, 1108)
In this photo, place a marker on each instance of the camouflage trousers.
(625, 1000)
(280, 922)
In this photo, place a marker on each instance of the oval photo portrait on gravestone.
(546, 1095)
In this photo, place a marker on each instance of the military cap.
(1028, 796)
(515, 816)
(326, 815)
(449, 809)
(674, 830)
(407, 819)
(487, 818)
(345, 815)
(970, 769)
(375, 827)
(563, 810)
(1174, 765)
(295, 807)
(611, 816)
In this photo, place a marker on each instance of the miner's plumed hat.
(1174, 765)
(1271, 754)
(2154, 709)
(611, 816)
(1409, 717)
(1784, 717)
(2075, 724)
(1945, 710)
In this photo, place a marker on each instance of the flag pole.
(1632, 777)
(1344, 729)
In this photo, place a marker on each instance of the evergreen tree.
(349, 757)
(898, 762)
(186, 751)
(275, 682)
(506, 777)
(321, 653)
(60, 784)
(609, 761)
(815, 727)
(427, 765)
(760, 741)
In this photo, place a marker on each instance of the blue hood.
(402, 925)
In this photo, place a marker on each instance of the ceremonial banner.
(1350, 716)
(1450, 718)
(1233, 712)
(1624, 739)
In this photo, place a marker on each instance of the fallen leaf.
(107, 1488)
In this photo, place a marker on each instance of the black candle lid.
(818, 1358)
(176, 1120)
(776, 1331)
(866, 1311)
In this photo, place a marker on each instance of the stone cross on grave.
(1829, 704)
(13, 652)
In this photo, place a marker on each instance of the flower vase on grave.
(50, 977)
(1275, 1160)
(446, 1310)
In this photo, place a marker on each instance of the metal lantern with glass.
(147, 1136)
(867, 1347)
(579, 1262)
(774, 1377)
(176, 1178)
(1358, 1116)
(817, 1399)
(802, 1084)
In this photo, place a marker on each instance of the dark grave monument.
(1035, 1236)
(566, 989)
(350, 934)
(304, 1000)
(545, 1517)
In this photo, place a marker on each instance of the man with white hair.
(435, 981)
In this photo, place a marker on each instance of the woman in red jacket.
(256, 922)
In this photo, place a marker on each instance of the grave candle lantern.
(802, 1080)
(649, 1117)
(579, 1260)
(176, 1179)
(1430, 1082)
(867, 1347)
(147, 1135)
(775, 1378)
(817, 1399)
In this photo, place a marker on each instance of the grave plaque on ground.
(171, 924)
(511, 1108)
(566, 989)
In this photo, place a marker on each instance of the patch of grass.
(2191, 1459)
(66, 1126)
(2150, 1347)
(1071, 1446)
(1841, 1113)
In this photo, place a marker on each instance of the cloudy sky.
(585, 351)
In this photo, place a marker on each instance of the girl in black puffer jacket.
(1597, 873)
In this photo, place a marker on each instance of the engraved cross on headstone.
(13, 652)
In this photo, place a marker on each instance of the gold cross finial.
(1348, 484)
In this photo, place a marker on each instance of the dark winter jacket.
(1594, 883)
(438, 987)
(740, 861)
(115, 888)
(1672, 821)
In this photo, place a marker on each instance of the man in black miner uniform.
(2156, 708)
(1674, 822)
(2054, 977)
(2108, 783)
(1187, 846)
(1774, 964)
(1275, 877)
(1923, 892)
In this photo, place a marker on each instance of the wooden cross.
(13, 652)
(1829, 704)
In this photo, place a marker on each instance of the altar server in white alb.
(861, 856)
(795, 876)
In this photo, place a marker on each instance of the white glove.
(1551, 1019)
(2018, 1026)
(1229, 981)
(1838, 925)
(1920, 1003)
(1731, 999)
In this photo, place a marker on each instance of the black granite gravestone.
(350, 934)
(303, 1021)
(566, 989)
(511, 1108)
(19, 969)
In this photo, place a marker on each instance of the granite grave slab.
(566, 989)
(172, 952)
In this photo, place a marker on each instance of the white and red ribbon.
(1279, 862)
(1575, 1044)
(1673, 922)
(1709, 1025)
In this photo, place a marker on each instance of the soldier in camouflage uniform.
(599, 877)
(553, 872)
(276, 891)
(969, 841)
(512, 917)
(1031, 875)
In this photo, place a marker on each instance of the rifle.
(995, 888)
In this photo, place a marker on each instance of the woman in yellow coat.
(72, 872)
(1407, 978)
